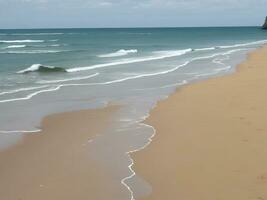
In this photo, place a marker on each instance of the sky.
(130, 13)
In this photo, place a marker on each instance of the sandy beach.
(211, 140)
(55, 164)
(210, 143)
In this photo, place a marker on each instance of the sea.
(46, 71)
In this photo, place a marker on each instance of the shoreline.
(158, 164)
(98, 118)
(56, 163)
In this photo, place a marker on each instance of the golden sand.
(211, 141)
(54, 164)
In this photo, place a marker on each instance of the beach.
(211, 138)
(142, 113)
(55, 163)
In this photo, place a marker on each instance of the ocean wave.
(158, 56)
(173, 53)
(244, 44)
(121, 52)
(45, 45)
(35, 46)
(37, 34)
(143, 75)
(31, 95)
(205, 49)
(70, 79)
(22, 90)
(232, 46)
(132, 33)
(57, 87)
(20, 41)
(41, 68)
(54, 45)
(14, 46)
(32, 52)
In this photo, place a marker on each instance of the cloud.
(114, 13)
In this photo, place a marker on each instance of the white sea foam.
(131, 33)
(130, 166)
(223, 68)
(20, 131)
(32, 68)
(158, 56)
(205, 49)
(123, 79)
(32, 52)
(172, 53)
(54, 45)
(66, 80)
(30, 95)
(37, 67)
(232, 46)
(37, 34)
(20, 41)
(46, 45)
(15, 46)
(119, 53)
(244, 44)
(207, 74)
(55, 88)
(22, 90)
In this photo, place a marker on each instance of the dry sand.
(54, 164)
(211, 141)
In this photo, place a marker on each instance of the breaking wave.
(15, 46)
(158, 55)
(20, 41)
(121, 52)
(41, 68)
(32, 52)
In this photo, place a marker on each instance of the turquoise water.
(75, 48)
(80, 47)
(86, 52)
(47, 71)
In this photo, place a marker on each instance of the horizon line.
(144, 27)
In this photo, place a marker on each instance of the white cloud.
(88, 13)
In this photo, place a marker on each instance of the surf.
(158, 55)
(14, 46)
(41, 68)
(119, 53)
(20, 41)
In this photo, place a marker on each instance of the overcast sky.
(130, 13)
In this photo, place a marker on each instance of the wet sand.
(211, 141)
(55, 164)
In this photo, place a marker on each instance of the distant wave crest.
(37, 34)
(20, 41)
(205, 49)
(15, 46)
(121, 52)
(41, 68)
(32, 52)
(244, 44)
